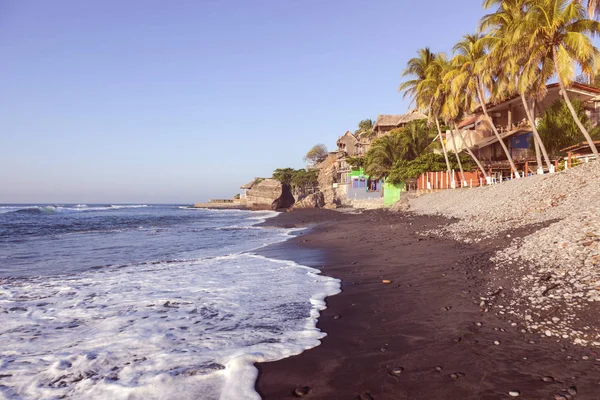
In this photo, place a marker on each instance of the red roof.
(579, 147)
(574, 85)
(467, 121)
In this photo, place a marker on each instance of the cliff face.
(269, 194)
(327, 177)
(314, 200)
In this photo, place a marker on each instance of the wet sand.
(424, 335)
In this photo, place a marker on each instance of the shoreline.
(388, 341)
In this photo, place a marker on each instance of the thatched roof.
(412, 116)
(387, 120)
(349, 135)
(396, 120)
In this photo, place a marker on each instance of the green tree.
(559, 130)
(356, 162)
(299, 180)
(507, 60)
(404, 143)
(425, 72)
(473, 78)
(561, 40)
(316, 154)
(365, 129)
(284, 175)
(593, 8)
(382, 155)
(417, 68)
(447, 103)
(426, 162)
(415, 138)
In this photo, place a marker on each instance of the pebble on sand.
(514, 393)
(301, 391)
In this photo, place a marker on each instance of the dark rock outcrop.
(327, 177)
(314, 200)
(269, 194)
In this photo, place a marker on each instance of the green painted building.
(361, 187)
(391, 193)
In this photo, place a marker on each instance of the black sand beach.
(425, 334)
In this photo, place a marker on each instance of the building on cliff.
(341, 182)
(510, 119)
(352, 145)
(388, 122)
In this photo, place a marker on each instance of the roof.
(396, 120)
(580, 86)
(467, 121)
(575, 85)
(347, 134)
(580, 146)
(388, 120)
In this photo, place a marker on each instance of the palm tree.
(471, 57)
(383, 154)
(415, 138)
(560, 39)
(447, 104)
(558, 128)
(365, 129)
(507, 60)
(417, 68)
(421, 88)
(593, 7)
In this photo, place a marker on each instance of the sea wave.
(158, 330)
(51, 209)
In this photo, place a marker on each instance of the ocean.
(147, 302)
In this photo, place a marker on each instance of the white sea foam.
(171, 330)
(50, 209)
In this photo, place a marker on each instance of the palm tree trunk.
(484, 108)
(538, 156)
(536, 136)
(437, 123)
(472, 155)
(574, 113)
(462, 173)
(540, 147)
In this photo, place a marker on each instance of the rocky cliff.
(328, 175)
(269, 194)
(314, 200)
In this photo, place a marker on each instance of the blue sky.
(177, 102)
